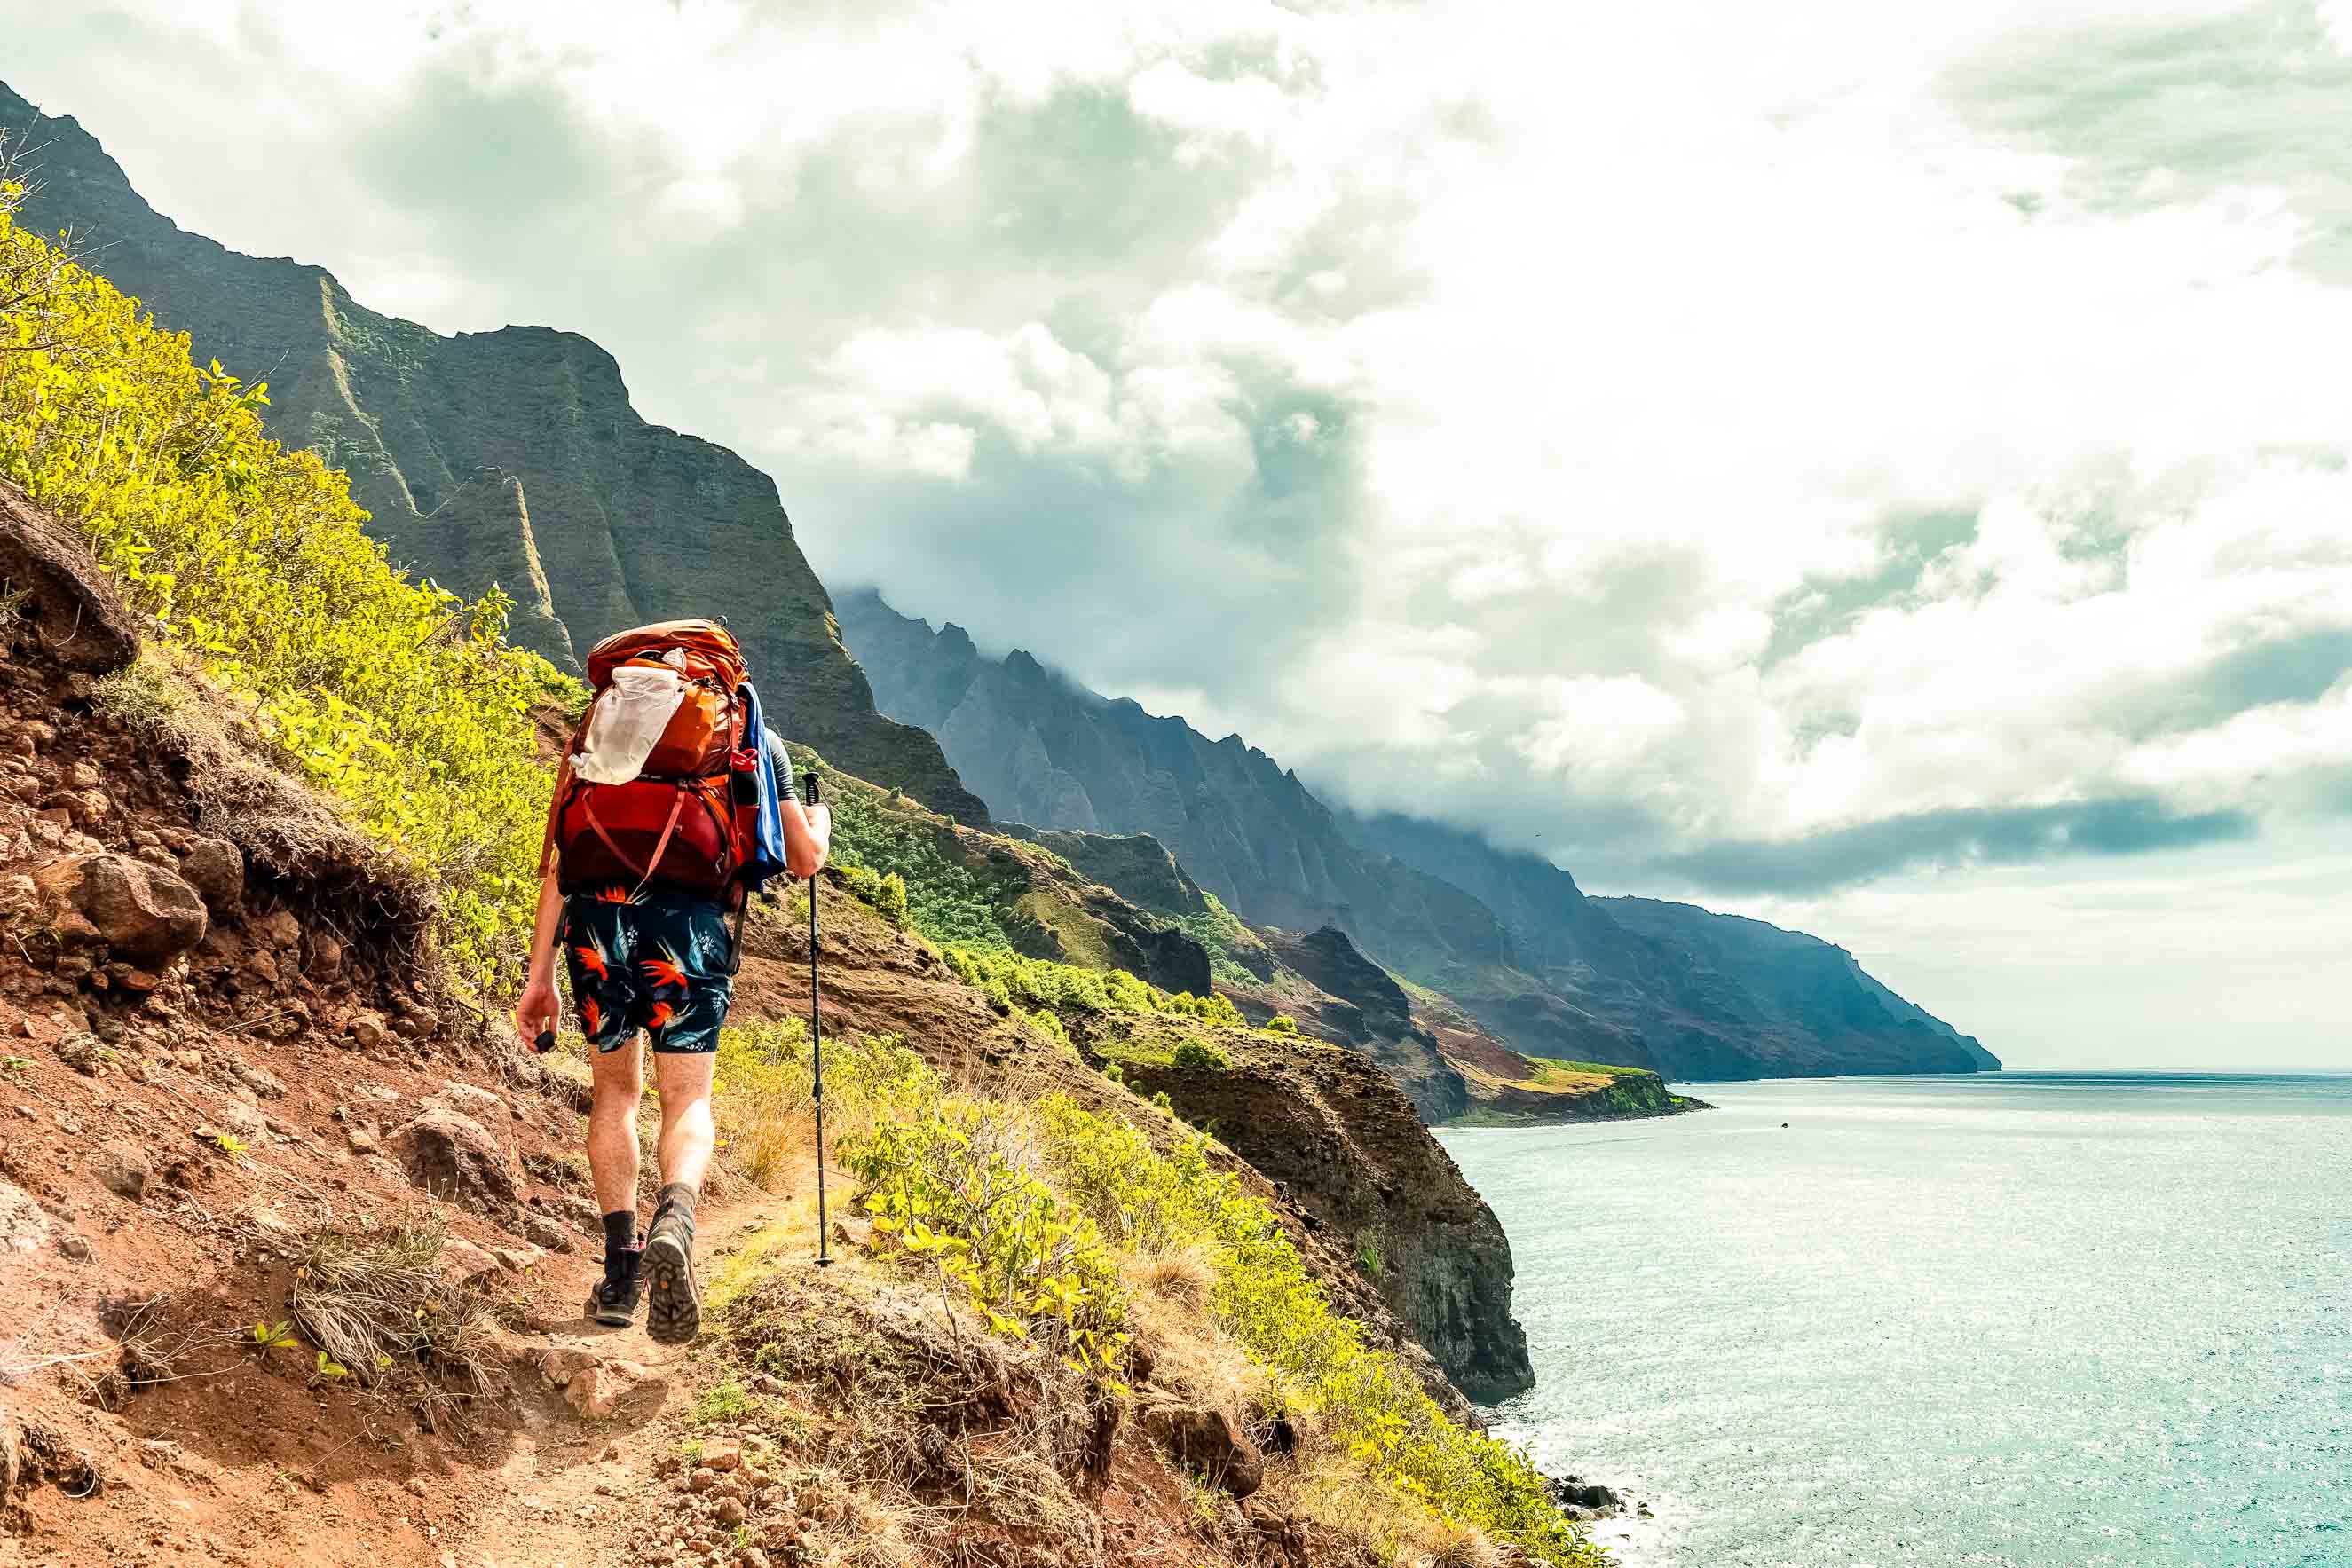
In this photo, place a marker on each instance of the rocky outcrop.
(1344, 1146)
(1136, 866)
(512, 456)
(1204, 1440)
(81, 624)
(1350, 999)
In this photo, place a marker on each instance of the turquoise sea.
(2049, 1320)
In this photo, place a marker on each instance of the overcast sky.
(1880, 468)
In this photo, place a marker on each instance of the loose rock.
(452, 1157)
(122, 1168)
(541, 1231)
(140, 911)
(215, 868)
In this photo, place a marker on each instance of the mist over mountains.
(1508, 935)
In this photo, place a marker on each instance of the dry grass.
(932, 1437)
(1184, 1274)
(1371, 1514)
(375, 1302)
(1466, 1548)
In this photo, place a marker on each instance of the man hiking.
(669, 810)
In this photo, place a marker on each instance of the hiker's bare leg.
(687, 1134)
(619, 1086)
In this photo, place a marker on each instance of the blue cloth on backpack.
(764, 857)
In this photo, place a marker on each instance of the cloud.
(2254, 102)
(1739, 447)
(1955, 839)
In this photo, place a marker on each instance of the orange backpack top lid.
(684, 820)
(709, 649)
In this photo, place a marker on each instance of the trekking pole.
(816, 1043)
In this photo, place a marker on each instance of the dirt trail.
(573, 1488)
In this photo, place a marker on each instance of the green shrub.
(1201, 1056)
(1215, 1007)
(1369, 1257)
(725, 1403)
(401, 699)
(891, 899)
(945, 1177)
(947, 901)
(1282, 1023)
(1051, 1026)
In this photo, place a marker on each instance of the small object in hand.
(545, 1043)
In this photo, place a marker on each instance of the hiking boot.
(674, 1303)
(612, 1302)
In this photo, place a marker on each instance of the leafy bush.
(401, 698)
(1282, 1023)
(891, 899)
(1201, 1056)
(946, 1178)
(1214, 1008)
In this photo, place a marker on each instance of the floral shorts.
(652, 961)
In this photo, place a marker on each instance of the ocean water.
(2055, 1320)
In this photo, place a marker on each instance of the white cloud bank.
(1748, 450)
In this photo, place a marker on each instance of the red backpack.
(684, 819)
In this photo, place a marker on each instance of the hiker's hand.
(537, 1011)
(806, 841)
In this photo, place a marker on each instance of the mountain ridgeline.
(510, 457)
(1508, 937)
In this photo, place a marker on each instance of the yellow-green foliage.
(399, 698)
(1370, 1404)
(949, 1177)
(1011, 980)
(1199, 1055)
(1220, 933)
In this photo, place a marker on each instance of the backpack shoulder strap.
(554, 815)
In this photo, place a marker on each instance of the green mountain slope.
(511, 456)
(1797, 977)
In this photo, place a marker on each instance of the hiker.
(670, 810)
